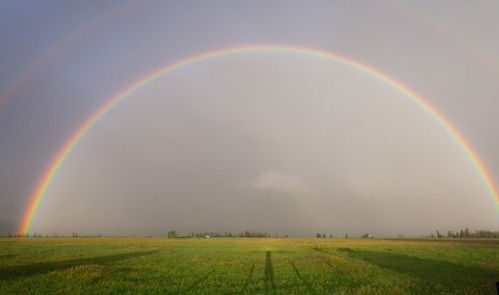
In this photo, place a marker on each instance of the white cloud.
(271, 180)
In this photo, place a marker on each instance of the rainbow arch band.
(35, 66)
(66, 149)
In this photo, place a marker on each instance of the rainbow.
(31, 69)
(17, 83)
(434, 22)
(66, 149)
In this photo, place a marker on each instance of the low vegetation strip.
(248, 266)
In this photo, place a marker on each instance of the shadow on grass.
(11, 272)
(8, 256)
(269, 275)
(451, 275)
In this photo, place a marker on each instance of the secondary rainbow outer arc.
(56, 163)
(31, 69)
(434, 22)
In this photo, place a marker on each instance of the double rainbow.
(56, 163)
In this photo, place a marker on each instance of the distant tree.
(172, 234)
(346, 236)
(432, 236)
(331, 236)
(318, 235)
(467, 233)
(324, 236)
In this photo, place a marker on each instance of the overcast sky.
(277, 142)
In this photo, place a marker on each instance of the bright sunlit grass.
(247, 266)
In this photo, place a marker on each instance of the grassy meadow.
(247, 266)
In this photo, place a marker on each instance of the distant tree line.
(466, 233)
(246, 234)
(463, 233)
(319, 235)
(54, 235)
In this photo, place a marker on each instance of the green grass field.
(247, 266)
